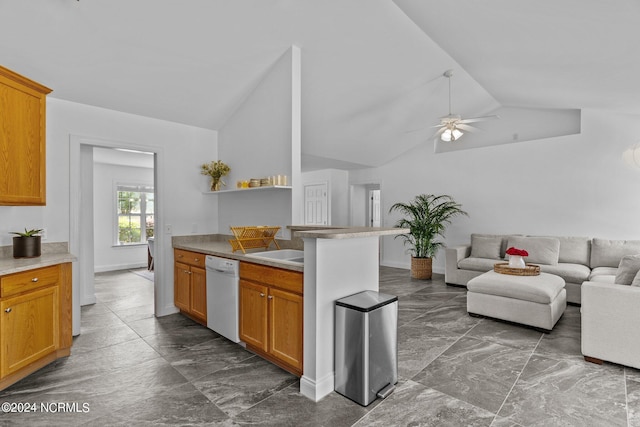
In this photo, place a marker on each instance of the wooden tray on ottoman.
(529, 270)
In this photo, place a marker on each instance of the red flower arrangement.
(516, 251)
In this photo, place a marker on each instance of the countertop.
(17, 265)
(223, 249)
(350, 232)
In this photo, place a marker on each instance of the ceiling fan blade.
(478, 119)
(467, 128)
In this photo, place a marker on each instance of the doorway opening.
(105, 237)
(365, 205)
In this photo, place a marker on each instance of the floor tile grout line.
(518, 377)
(626, 395)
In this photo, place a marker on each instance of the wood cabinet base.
(291, 369)
(30, 369)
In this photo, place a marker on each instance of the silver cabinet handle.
(270, 297)
(196, 259)
(35, 279)
(7, 310)
(261, 294)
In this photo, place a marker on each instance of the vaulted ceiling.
(371, 69)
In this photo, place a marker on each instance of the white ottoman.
(537, 301)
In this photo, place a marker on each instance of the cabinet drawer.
(278, 277)
(188, 257)
(28, 280)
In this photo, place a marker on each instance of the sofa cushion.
(503, 237)
(485, 247)
(636, 280)
(572, 273)
(574, 250)
(608, 253)
(477, 264)
(542, 250)
(627, 270)
(603, 274)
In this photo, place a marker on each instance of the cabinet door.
(199, 293)
(253, 314)
(285, 327)
(182, 286)
(22, 140)
(29, 328)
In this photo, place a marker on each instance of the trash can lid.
(366, 301)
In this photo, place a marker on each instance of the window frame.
(145, 188)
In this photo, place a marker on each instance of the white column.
(333, 269)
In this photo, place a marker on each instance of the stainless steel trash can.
(366, 346)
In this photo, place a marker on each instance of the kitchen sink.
(285, 255)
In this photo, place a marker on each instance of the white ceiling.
(371, 69)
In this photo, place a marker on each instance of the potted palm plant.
(426, 217)
(27, 244)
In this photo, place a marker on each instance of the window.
(135, 214)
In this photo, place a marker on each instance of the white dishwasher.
(222, 296)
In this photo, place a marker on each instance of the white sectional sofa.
(575, 259)
(610, 319)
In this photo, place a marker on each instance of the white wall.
(573, 185)
(338, 188)
(181, 150)
(262, 138)
(108, 257)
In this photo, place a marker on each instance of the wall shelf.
(244, 190)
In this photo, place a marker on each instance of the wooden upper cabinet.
(22, 140)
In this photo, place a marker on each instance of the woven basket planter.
(421, 268)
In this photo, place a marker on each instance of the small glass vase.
(215, 185)
(516, 261)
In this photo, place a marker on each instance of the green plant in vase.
(427, 217)
(216, 170)
(27, 244)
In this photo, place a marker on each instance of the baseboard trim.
(116, 267)
(316, 390)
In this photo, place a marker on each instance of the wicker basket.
(421, 268)
(529, 270)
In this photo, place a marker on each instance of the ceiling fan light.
(451, 135)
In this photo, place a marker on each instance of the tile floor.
(134, 370)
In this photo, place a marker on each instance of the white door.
(374, 208)
(315, 204)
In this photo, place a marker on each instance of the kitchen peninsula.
(337, 262)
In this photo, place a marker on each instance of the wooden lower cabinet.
(254, 314)
(285, 327)
(190, 284)
(271, 314)
(35, 320)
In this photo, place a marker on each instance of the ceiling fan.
(453, 126)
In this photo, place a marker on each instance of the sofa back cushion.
(503, 237)
(542, 250)
(485, 247)
(574, 250)
(636, 280)
(627, 270)
(608, 253)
